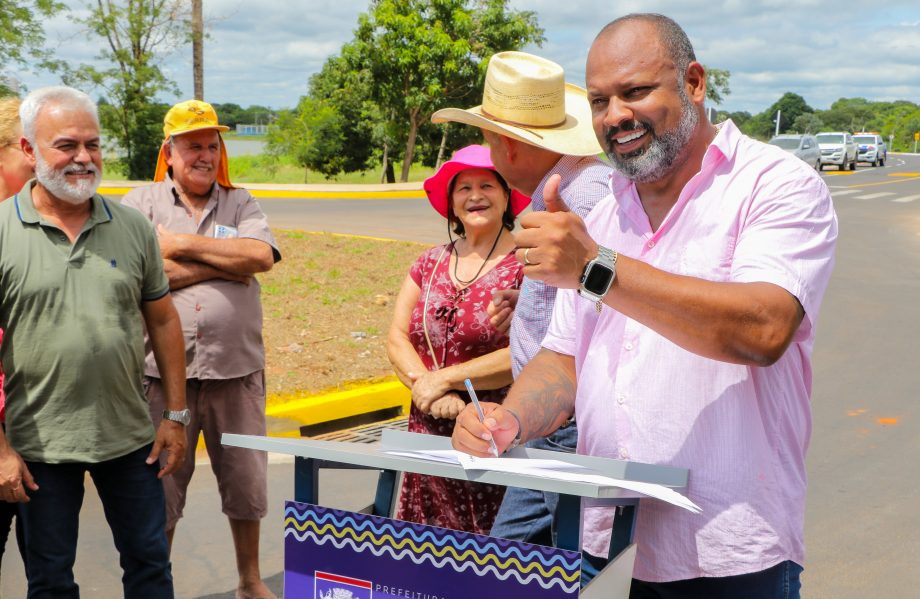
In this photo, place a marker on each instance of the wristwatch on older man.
(183, 417)
(598, 276)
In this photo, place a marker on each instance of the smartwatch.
(598, 276)
(183, 417)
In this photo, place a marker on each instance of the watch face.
(598, 279)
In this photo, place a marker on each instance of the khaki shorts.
(220, 406)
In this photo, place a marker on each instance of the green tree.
(739, 118)
(807, 122)
(717, 84)
(850, 114)
(21, 35)
(790, 106)
(421, 55)
(311, 134)
(138, 34)
(348, 92)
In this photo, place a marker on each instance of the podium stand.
(612, 582)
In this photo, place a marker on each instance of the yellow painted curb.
(411, 194)
(339, 195)
(343, 404)
(326, 407)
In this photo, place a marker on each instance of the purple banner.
(334, 554)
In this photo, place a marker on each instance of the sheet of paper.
(550, 469)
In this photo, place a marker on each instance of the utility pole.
(198, 49)
(779, 115)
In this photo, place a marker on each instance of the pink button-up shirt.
(752, 214)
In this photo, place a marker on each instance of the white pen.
(482, 417)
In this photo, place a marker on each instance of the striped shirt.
(584, 183)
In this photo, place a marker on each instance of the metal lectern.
(311, 456)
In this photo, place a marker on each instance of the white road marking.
(845, 192)
(873, 196)
(907, 199)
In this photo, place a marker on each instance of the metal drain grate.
(368, 433)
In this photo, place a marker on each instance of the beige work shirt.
(221, 320)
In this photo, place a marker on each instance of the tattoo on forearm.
(549, 399)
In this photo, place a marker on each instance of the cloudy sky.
(263, 51)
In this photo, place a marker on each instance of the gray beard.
(56, 183)
(662, 154)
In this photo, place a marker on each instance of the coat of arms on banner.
(333, 586)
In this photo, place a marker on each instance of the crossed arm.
(190, 259)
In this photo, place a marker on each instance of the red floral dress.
(459, 330)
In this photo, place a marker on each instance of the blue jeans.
(779, 582)
(132, 498)
(527, 515)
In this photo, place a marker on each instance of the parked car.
(838, 148)
(871, 148)
(803, 146)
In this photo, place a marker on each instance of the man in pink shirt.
(683, 330)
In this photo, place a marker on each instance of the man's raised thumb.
(551, 197)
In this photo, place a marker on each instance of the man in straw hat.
(81, 281)
(537, 126)
(684, 330)
(214, 238)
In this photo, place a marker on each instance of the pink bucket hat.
(469, 157)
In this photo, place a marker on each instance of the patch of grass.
(310, 314)
(264, 169)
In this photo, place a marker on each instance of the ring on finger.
(527, 262)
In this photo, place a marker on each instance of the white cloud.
(264, 52)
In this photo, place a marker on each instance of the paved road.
(862, 523)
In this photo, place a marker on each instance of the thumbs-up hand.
(554, 246)
(551, 197)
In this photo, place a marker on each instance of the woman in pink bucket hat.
(441, 334)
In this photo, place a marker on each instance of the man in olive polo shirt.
(213, 239)
(80, 277)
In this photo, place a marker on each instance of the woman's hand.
(448, 407)
(501, 308)
(427, 388)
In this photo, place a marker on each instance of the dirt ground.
(327, 308)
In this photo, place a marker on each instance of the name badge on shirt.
(225, 232)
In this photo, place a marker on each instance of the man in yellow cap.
(213, 238)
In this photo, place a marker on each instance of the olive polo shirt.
(73, 349)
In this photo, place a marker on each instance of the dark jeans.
(779, 582)
(527, 515)
(7, 512)
(132, 498)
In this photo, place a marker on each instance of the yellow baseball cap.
(185, 117)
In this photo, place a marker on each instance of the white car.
(802, 146)
(871, 148)
(837, 148)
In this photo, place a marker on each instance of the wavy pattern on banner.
(402, 541)
(430, 536)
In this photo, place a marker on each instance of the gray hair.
(33, 104)
(671, 34)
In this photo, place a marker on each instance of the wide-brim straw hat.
(465, 158)
(525, 97)
(185, 117)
